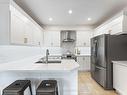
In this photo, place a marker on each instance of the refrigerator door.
(98, 59)
(100, 75)
(93, 56)
(101, 51)
(93, 50)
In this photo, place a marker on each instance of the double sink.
(54, 59)
(51, 59)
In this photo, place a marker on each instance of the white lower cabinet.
(84, 62)
(120, 78)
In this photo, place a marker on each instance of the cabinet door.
(83, 38)
(116, 28)
(120, 78)
(81, 63)
(87, 63)
(47, 39)
(56, 39)
(84, 63)
(28, 35)
(52, 38)
(116, 25)
(17, 30)
(23, 30)
(38, 37)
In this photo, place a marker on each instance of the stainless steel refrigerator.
(104, 49)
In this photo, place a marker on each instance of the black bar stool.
(17, 88)
(47, 87)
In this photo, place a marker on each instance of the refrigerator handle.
(96, 48)
(100, 67)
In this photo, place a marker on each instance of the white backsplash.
(11, 53)
(52, 50)
(84, 50)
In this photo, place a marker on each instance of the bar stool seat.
(17, 88)
(47, 87)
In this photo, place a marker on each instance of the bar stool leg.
(57, 91)
(30, 89)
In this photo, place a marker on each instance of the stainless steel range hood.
(68, 37)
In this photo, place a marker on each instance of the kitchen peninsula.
(66, 73)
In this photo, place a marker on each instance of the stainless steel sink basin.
(52, 61)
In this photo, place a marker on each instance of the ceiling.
(98, 10)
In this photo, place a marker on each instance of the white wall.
(4, 22)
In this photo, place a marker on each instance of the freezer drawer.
(100, 75)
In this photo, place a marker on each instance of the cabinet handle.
(39, 43)
(84, 43)
(25, 40)
(51, 44)
(83, 58)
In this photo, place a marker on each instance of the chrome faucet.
(47, 53)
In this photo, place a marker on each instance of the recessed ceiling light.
(50, 19)
(89, 19)
(70, 11)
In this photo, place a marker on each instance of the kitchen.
(65, 46)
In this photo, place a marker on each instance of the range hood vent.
(68, 37)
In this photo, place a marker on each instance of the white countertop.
(28, 64)
(123, 63)
(78, 55)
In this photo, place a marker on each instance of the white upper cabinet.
(83, 38)
(38, 37)
(52, 38)
(114, 26)
(19, 28)
(101, 30)
(28, 34)
(118, 26)
(23, 30)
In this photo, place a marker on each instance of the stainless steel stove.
(69, 56)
